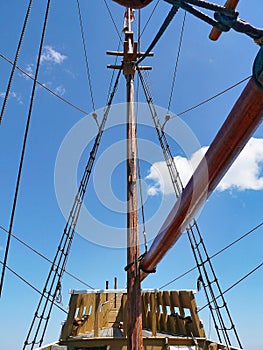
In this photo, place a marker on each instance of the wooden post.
(107, 287)
(115, 287)
(153, 314)
(97, 315)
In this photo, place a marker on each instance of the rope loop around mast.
(140, 260)
(147, 271)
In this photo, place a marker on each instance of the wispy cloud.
(60, 90)
(245, 174)
(50, 55)
(29, 70)
(13, 95)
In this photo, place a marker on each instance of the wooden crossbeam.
(215, 32)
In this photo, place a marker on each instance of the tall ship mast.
(132, 317)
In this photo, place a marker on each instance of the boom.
(241, 123)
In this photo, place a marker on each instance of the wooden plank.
(150, 310)
(200, 332)
(67, 327)
(90, 305)
(124, 313)
(184, 299)
(96, 315)
(164, 318)
(157, 343)
(158, 310)
(175, 297)
(145, 313)
(180, 322)
(153, 314)
(121, 54)
(104, 312)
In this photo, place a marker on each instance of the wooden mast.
(130, 55)
(134, 307)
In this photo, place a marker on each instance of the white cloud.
(52, 56)
(160, 178)
(245, 173)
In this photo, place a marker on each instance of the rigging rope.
(139, 175)
(160, 33)
(44, 86)
(138, 157)
(30, 285)
(235, 284)
(206, 269)
(176, 63)
(211, 98)
(139, 30)
(24, 146)
(15, 60)
(53, 282)
(113, 71)
(113, 20)
(86, 55)
(44, 257)
(142, 205)
(147, 22)
(214, 255)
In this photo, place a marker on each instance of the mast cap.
(135, 4)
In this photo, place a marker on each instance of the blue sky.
(205, 68)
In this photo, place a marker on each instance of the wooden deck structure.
(97, 319)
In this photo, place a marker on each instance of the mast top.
(135, 4)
